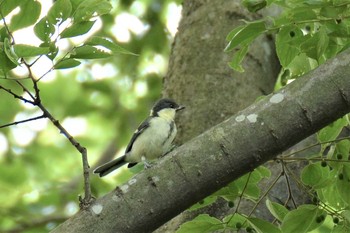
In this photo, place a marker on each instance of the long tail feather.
(107, 168)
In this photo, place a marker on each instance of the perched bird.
(151, 140)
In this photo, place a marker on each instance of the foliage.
(99, 103)
(307, 33)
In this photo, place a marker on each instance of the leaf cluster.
(307, 33)
(65, 19)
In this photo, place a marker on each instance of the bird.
(152, 139)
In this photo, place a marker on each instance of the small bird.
(151, 140)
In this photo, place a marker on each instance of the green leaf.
(315, 44)
(89, 52)
(332, 12)
(229, 193)
(251, 190)
(343, 148)
(77, 29)
(27, 16)
(262, 226)
(67, 63)
(254, 5)
(277, 210)
(91, 8)
(238, 57)
(302, 220)
(264, 171)
(245, 34)
(331, 195)
(201, 224)
(5, 63)
(9, 52)
(23, 50)
(233, 221)
(316, 176)
(300, 65)
(301, 14)
(331, 131)
(113, 47)
(60, 11)
(205, 202)
(285, 48)
(44, 29)
(343, 183)
(7, 6)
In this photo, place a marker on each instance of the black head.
(163, 104)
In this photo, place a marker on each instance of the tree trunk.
(200, 78)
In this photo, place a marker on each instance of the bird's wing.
(144, 125)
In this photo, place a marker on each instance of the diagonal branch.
(200, 167)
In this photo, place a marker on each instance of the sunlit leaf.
(246, 33)
(28, 15)
(29, 51)
(89, 52)
(113, 47)
(9, 52)
(331, 131)
(60, 11)
(277, 210)
(67, 63)
(285, 48)
(44, 29)
(316, 176)
(77, 29)
(91, 8)
(9, 5)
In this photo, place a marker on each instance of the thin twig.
(88, 197)
(290, 192)
(316, 144)
(240, 197)
(16, 96)
(266, 192)
(5, 24)
(23, 121)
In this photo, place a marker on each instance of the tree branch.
(200, 167)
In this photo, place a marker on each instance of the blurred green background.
(100, 103)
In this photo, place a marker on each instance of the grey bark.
(223, 153)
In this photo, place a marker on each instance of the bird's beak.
(180, 108)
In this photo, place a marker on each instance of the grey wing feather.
(144, 125)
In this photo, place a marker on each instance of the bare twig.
(290, 193)
(315, 144)
(5, 24)
(16, 96)
(266, 192)
(23, 121)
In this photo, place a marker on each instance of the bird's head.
(166, 108)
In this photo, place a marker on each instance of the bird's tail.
(107, 168)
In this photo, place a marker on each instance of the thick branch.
(222, 154)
